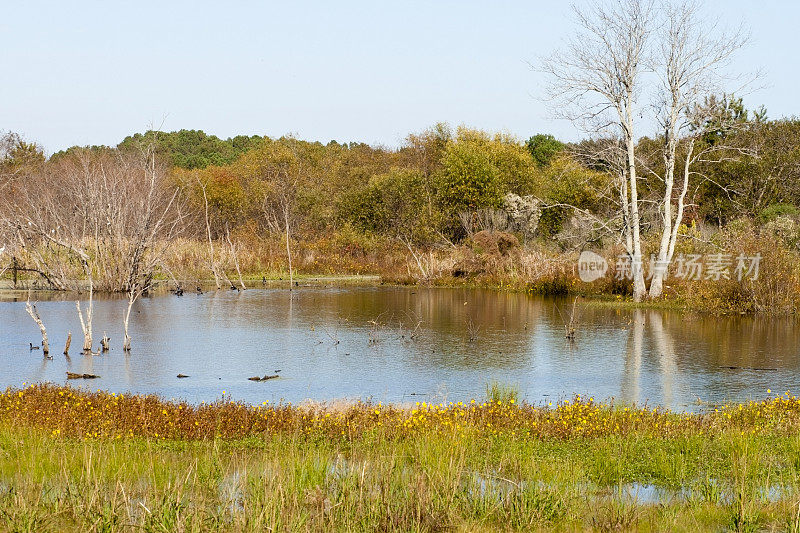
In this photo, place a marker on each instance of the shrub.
(784, 228)
(497, 242)
(778, 210)
(499, 393)
(395, 203)
(775, 290)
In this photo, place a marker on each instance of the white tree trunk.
(66, 344)
(132, 296)
(660, 267)
(637, 268)
(669, 233)
(36, 318)
(86, 324)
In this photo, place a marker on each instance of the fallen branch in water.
(748, 368)
(264, 378)
(73, 375)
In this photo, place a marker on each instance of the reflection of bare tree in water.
(665, 351)
(663, 348)
(290, 314)
(127, 369)
(214, 303)
(633, 358)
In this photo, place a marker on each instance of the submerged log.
(263, 378)
(73, 375)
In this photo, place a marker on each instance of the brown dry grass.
(66, 411)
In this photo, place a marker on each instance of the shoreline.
(7, 291)
(344, 279)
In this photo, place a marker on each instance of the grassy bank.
(72, 460)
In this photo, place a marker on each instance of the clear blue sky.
(94, 72)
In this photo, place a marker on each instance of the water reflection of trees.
(445, 310)
(428, 326)
(464, 329)
(650, 337)
(666, 357)
(745, 341)
(693, 348)
(633, 358)
(636, 355)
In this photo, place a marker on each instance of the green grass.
(285, 483)
(499, 392)
(79, 461)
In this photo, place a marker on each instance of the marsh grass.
(534, 269)
(79, 461)
(500, 393)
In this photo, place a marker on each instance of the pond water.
(393, 344)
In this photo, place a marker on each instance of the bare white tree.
(151, 232)
(596, 82)
(690, 62)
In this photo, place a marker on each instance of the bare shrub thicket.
(93, 220)
(102, 214)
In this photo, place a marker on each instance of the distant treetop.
(191, 149)
(543, 148)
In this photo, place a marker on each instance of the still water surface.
(406, 345)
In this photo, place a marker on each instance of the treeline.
(415, 193)
(441, 185)
(441, 182)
